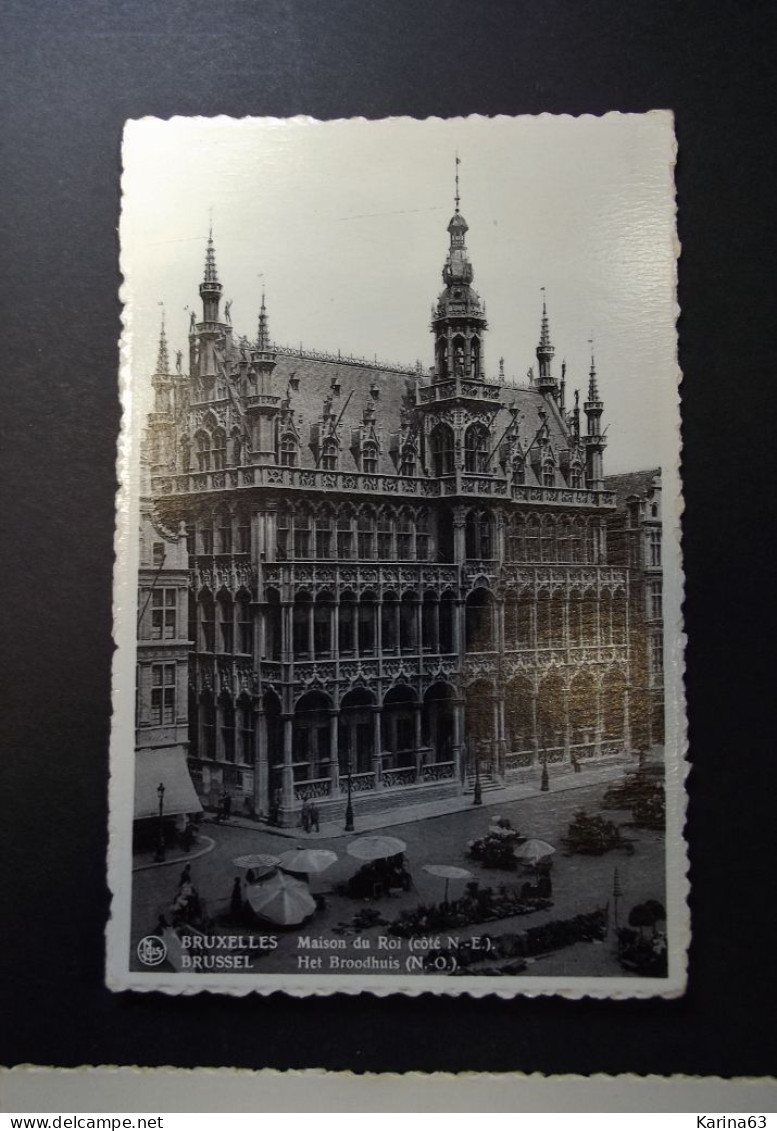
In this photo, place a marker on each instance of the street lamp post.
(477, 797)
(544, 780)
(160, 847)
(349, 804)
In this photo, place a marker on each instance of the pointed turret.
(210, 287)
(593, 440)
(263, 336)
(458, 320)
(161, 379)
(546, 382)
(163, 358)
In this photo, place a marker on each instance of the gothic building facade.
(397, 579)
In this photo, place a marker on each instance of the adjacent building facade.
(395, 579)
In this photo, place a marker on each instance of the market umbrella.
(261, 862)
(532, 851)
(307, 860)
(376, 847)
(448, 872)
(281, 900)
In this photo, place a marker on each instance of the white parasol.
(256, 860)
(307, 860)
(532, 851)
(376, 847)
(282, 900)
(448, 872)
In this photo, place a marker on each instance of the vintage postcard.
(398, 700)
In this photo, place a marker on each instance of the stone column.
(535, 737)
(376, 747)
(459, 768)
(419, 628)
(334, 761)
(261, 770)
(627, 719)
(598, 731)
(288, 773)
(436, 628)
(567, 726)
(459, 534)
(417, 740)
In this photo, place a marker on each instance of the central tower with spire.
(458, 320)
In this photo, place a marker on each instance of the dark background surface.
(71, 74)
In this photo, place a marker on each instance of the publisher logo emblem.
(152, 950)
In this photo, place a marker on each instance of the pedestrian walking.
(305, 816)
(186, 876)
(226, 806)
(236, 901)
(315, 822)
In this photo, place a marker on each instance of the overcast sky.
(344, 224)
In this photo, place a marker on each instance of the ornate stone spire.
(263, 337)
(163, 358)
(458, 319)
(594, 441)
(210, 287)
(546, 383)
(211, 274)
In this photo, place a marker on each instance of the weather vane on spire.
(458, 162)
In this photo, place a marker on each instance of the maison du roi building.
(357, 573)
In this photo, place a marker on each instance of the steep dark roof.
(395, 388)
(629, 483)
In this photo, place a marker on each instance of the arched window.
(237, 447)
(548, 473)
(519, 471)
(442, 445)
(385, 536)
(370, 459)
(389, 622)
(329, 455)
(324, 536)
(458, 356)
(223, 532)
(548, 539)
(398, 725)
(532, 539)
(302, 539)
(422, 543)
(207, 628)
(226, 622)
(227, 719)
(367, 609)
(356, 732)
(322, 626)
(207, 726)
(365, 527)
(311, 746)
(576, 476)
(480, 621)
(347, 625)
(562, 540)
(404, 537)
(407, 623)
(282, 545)
(202, 447)
(246, 730)
(245, 625)
(479, 542)
(219, 449)
(442, 358)
(289, 450)
(302, 626)
(407, 462)
(474, 348)
(476, 449)
(344, 534)
(516, 546)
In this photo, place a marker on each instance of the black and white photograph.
(397, 694)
